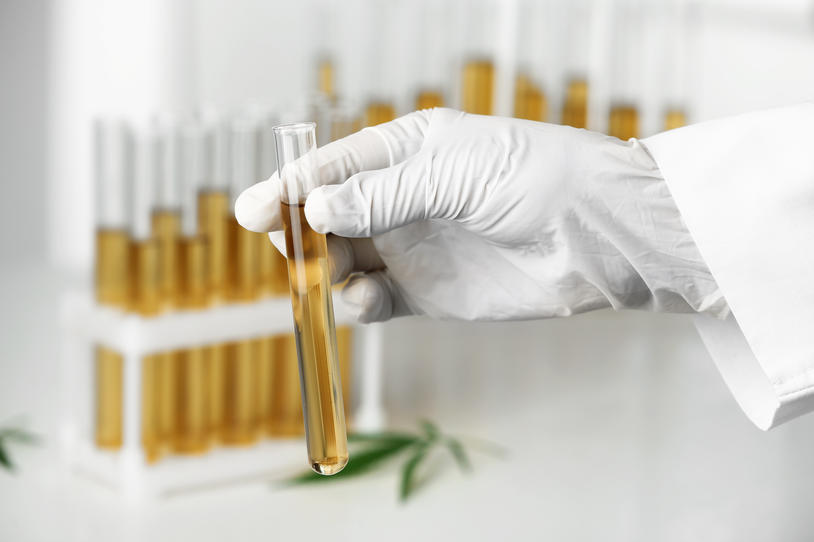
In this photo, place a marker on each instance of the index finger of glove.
(258, 207)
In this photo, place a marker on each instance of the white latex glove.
(485, 218)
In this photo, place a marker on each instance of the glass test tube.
(190, 367)
(573, 45)
(279, 405)
(309, 281)
(112, 149)
(166, 229)
(575, 104)
(678, 23)
(530, 102)
(239, 384)
(273, 267)
(145, 275)
(378, 113)
(213, 204)
(674, 118)
(430, 55)
(476, 23)
(626, 78)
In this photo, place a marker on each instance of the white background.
(617, 426)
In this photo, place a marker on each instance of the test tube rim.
(294, 127)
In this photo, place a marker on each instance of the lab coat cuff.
(744, 187)
(763, 404)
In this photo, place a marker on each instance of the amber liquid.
(213, 214)
(378, 113)
(112, 289)
(529, 100)
(315, 333)
(429, 99)
(623, 122)
(674, 118)
(478, 87)
(575, 106)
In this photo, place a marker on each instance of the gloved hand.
(484, 218)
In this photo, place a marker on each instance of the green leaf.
(5, 460)
(19, 435)
(485, 446)
(408, 473)
(360, 462)
(457, 450)
(430, 429)
(382, 437)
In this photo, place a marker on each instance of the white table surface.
(617, 427)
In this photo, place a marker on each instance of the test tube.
(193, 257)
(674, 118)
(112, 150)
(166, 228)
(145, 275)
(677, 21)
(626, 81)
(430, 55)
(478, 87)
(240, 374)
(145, 284)
(325, 78)
(279, 404)
(476, 24)
(530, 102)
(243, 267)
(623, 121)
(190, 367)
(286, 416)
(575, 32)
(213, 204)
(378, 113)
(310, 286)
(575, 103)
(273, 268)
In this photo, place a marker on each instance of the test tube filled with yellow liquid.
(310, 287)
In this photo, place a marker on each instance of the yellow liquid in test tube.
(109, 365)
(674, 118)
(315, 333)
(145, 300)
(623, 122)
(429, 99)
(529, 100)
(575, 106)
(377, 113)
(478, 87)
(112, 288)
(285, 418)
(189, 369)
(191, 435)
(213, 209)
(325, 79)
(166, 228)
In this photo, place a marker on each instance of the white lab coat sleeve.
(745, 189)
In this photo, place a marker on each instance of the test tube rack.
(84, 324)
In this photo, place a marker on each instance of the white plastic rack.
(85, 324)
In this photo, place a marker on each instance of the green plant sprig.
(375, 449)
(13, 435)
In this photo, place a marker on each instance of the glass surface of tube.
(310, 287)
(112, 141)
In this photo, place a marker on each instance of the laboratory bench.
(614, 426)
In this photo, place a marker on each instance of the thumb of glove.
(372, 202)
